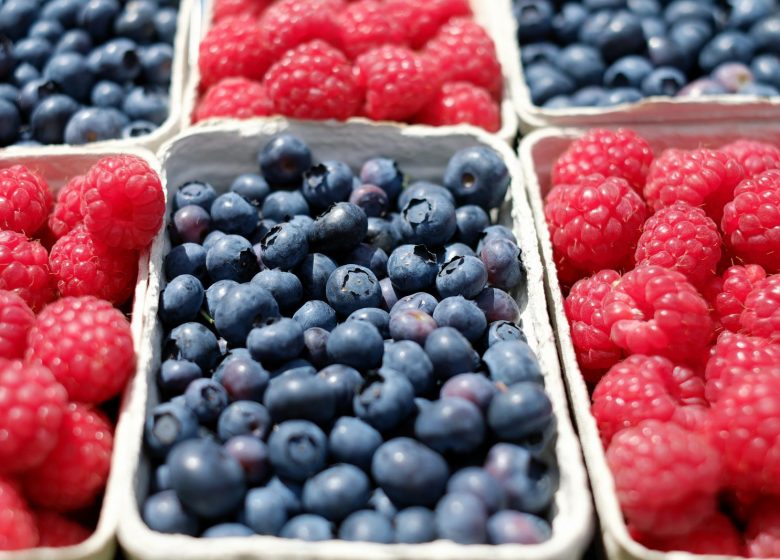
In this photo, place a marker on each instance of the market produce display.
(342, 359)
(599, 53)
(388, 60)
(66, 352)
(670, 263)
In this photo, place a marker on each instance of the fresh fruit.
(24, 269)
(16, 319)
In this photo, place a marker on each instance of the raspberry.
(682, 238)
(619, 153)
(17, 524)
(395, 81)
(595, 223)
(224, 9)
(364, 26)
(714, 535)
(313, 81)
(75, 472)
(754, 156)
(666, 477)
(738, 282)
(16, 318)
(83, 266)
(733, 357)
(87, 345)
(421, 19)
(24, 269)
(24, 200)
(290, 23)
(67, 211)
(461, 103)
(232, 48)
(699, 177)
(465, 53)
(751, 222)
(745, 430)
(238, 98)
(56, 530)
(642, 388)
(589, 332)
(123, 202)
(762, 534)
(761, 316)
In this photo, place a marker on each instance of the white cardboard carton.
(220, 152)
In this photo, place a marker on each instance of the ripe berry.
(17, 524)
(761, 316)
(421, 19)
(234, 97)
(24, 269)
(56, 530)
(287, 24)
(16, 319)
(754, 156)
(249, 9)
(461, 103)
(364, 25)
(735, 356)
(25, 200)
(67, 210)
(233, 48)
(738, 282)
(762, 534)
(714, 535)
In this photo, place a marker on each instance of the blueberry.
(728, 46)
(546, 82)
(680, 10)
(162, 479)
(663, 51)
(558, 102)
(336, 492)
(503, 262)
(429, 220)
(504, 330)
(146, 104)
(655, 28)
(628, 71)
(97, 18)
(181, 300)
(498, 305)
(116, 60)
(168, 424)
(534, 20)
(663, 81)
(264, 511)
(528, 483)
(464, 276)
(352, 287)
(290, 492)
(512, 362)
(541, 52)
(732, 76)
(157, 63)
(367, 526)
(344, 382)
(340, 228)
(644, 7)
(242, 377)
(372, 199)
(766, 69)
(480, 483)
(522, 412)
(32, 50)
(315, 341)
(621, 96)
(762, 90)
(327, 183)
(276, 341)
(226, 530)
(251, 187)
(284, 246)
(10, 121)
(207, 480)
(70, 72)
(410, 473)
(477, 175)
(354, 442)
(193, 342)
(590, 96)
(747, 12)
(51, 30)
(415, 525)
(188, 258)
(386, 400)
(316, 313)
(74, 40)
(284, 160)
(216, 292)
(377, 317)
(243, 307)
(454, 250)
(412, 268)
(10, 93)
(451, 424)
(449, 352)
(568, 21)
(382, 504)
(207, 399)
(389, 295)
(298, 395)
(307, 527)
(50, 117)
(357, 344)
(107, 94)
(24, 74)
(232, 258)
(244, 418)
(462, 518)
(314, 272)
(514, 527)
(410, 324)
(463, 315)
(165, 24)
(470, 220)
(195, 192)
(766, 34)
(621, 35)
(252, 454)
(381, 234)
(16, 16)
(32, 93)
(385, 174)
(136, 21)
(298, 449)
(582, 63)
(691, 36)
(231, 213)
(175, 375)
(163, 512)
(473, 387)
(419, 301)
(94, 124)
(422, 189)
(190, 224)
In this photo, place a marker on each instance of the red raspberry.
(666, 477)
(738, 282)
(751, 222)
(290, 23)
(224, 9)
(754, 156)
(461, 103)
(67, 211)
(24, 269)
(87, 345)
(595, 223)
(56, 530)
(595, 351)
(233, 48)
(464, 52)
(619, 153)
(234, 97)
(761, 316)
(123, 202)
(25, 200)
(733, 357)
(699, 177)
(83, 266)
(396, 83)
(16, 318)
(682, 238)
(421, 19)
(75, 472)
(365, 26)
(17, 524)
(762, 534)
(715, 535)
(745, 430)
(313, 81)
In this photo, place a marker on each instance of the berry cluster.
(322, 389)
(59, 366)
(423, 61)
(675, 316)
(79, 71)
(598, 53)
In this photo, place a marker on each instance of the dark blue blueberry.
(298, 449)
(534, 20)
(336, 492)
(146, 104)
(244, 418)
(33, 50)
(242, 377)
(314, 272)
(409, 359)
(762, 90)
(522, 412)
(558, 102)
(65, 12)
(298, 366)
(161, 480)
(473, 387)
(181, 300)
(499, 331)
(766, 69)
(50, 117)
(107, 94)
(232, 258)
(340, 228)
(377, 317)
(529, 483)
(138, 128)
(24, 74)
(316, 313)
(175, 376)
(284, 246)
(372, 199)
(195, 192)
(463, 315)
(9, 93)
(163, 512)
(451, 425)
(546, 82)
(207, 399)
(511, 362)
(165, 24)
(470, 221)
(10, 120)
(503, 261)
(412, 268)
(16, 17)
(298, 395)
(285, 287)
(567, 22)
(307, 527)
(216, 292)
(542, 52)
(94, 124)
(766, 34)
(684, 10)
(51, 30)
(381, 504)
(582, 63)
(344, 382)
(354, 442)
(415, 525)
(620, 96)
(728, 46)
(315, 342)
(462, 518)
(386, 400)
(430, 221)
(663, 51)
(620, 34)
(207, 480)
(480, 483)
(590, 96)
(191, 223)
(628, 71)
(264, 511)
(225, 530)
(352, 287)
(97, 18)
(422, 301)
(117, 60)
(283, 205)
(449, 352)
(385, 174)
(211, 239)
(357, 344)
(157, 63)
(168, 424)
(69, 71)
(663, 81)
(411, 324)
(656, 28)
(691, 36)
(514, 527)
(276, 341)
(136, 21)
(284, 160)
(372, 258)
(464, 276)
(242, 308)
(367, 526)
(744, 14)
(290, 491)
(477, 175)
(422, 189)
(595, 5)
(410, 473)
(187, 258)
(74, 40)
(193, 342)
(252, 187)
(327, 183)
(454, 250)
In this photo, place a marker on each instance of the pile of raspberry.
(66, 352)
(418, 61)
(670, 263)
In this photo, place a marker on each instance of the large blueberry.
(410, 473)
(299, 395)
(477, 175)
(298, 449)
(242, 308)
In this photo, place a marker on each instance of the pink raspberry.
(67, 211)
(761, 316)
(595, 223)
(251, 9)
(762, 534)
(461, 103)
(396, 83)
(83, 266)
(700, 177)
(17, 524)
(124, 202)
(365, 26)
(313, 81)
(57, 531)
(754, 156)
(233, 48)
(715, 535)
(751, 221)
(421, 19)
(87, 345)
(16, 319)
(738, 282)
(589, 332)
(682, 238)
(287, 24)
(734, 356)
(655, 311)
(612, 153)
(75, 472)
(24, 269)
(25, 200)
(237, 98)
(666, 477)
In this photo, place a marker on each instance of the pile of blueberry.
(79, 71)
(594, 53)
(359, 374)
